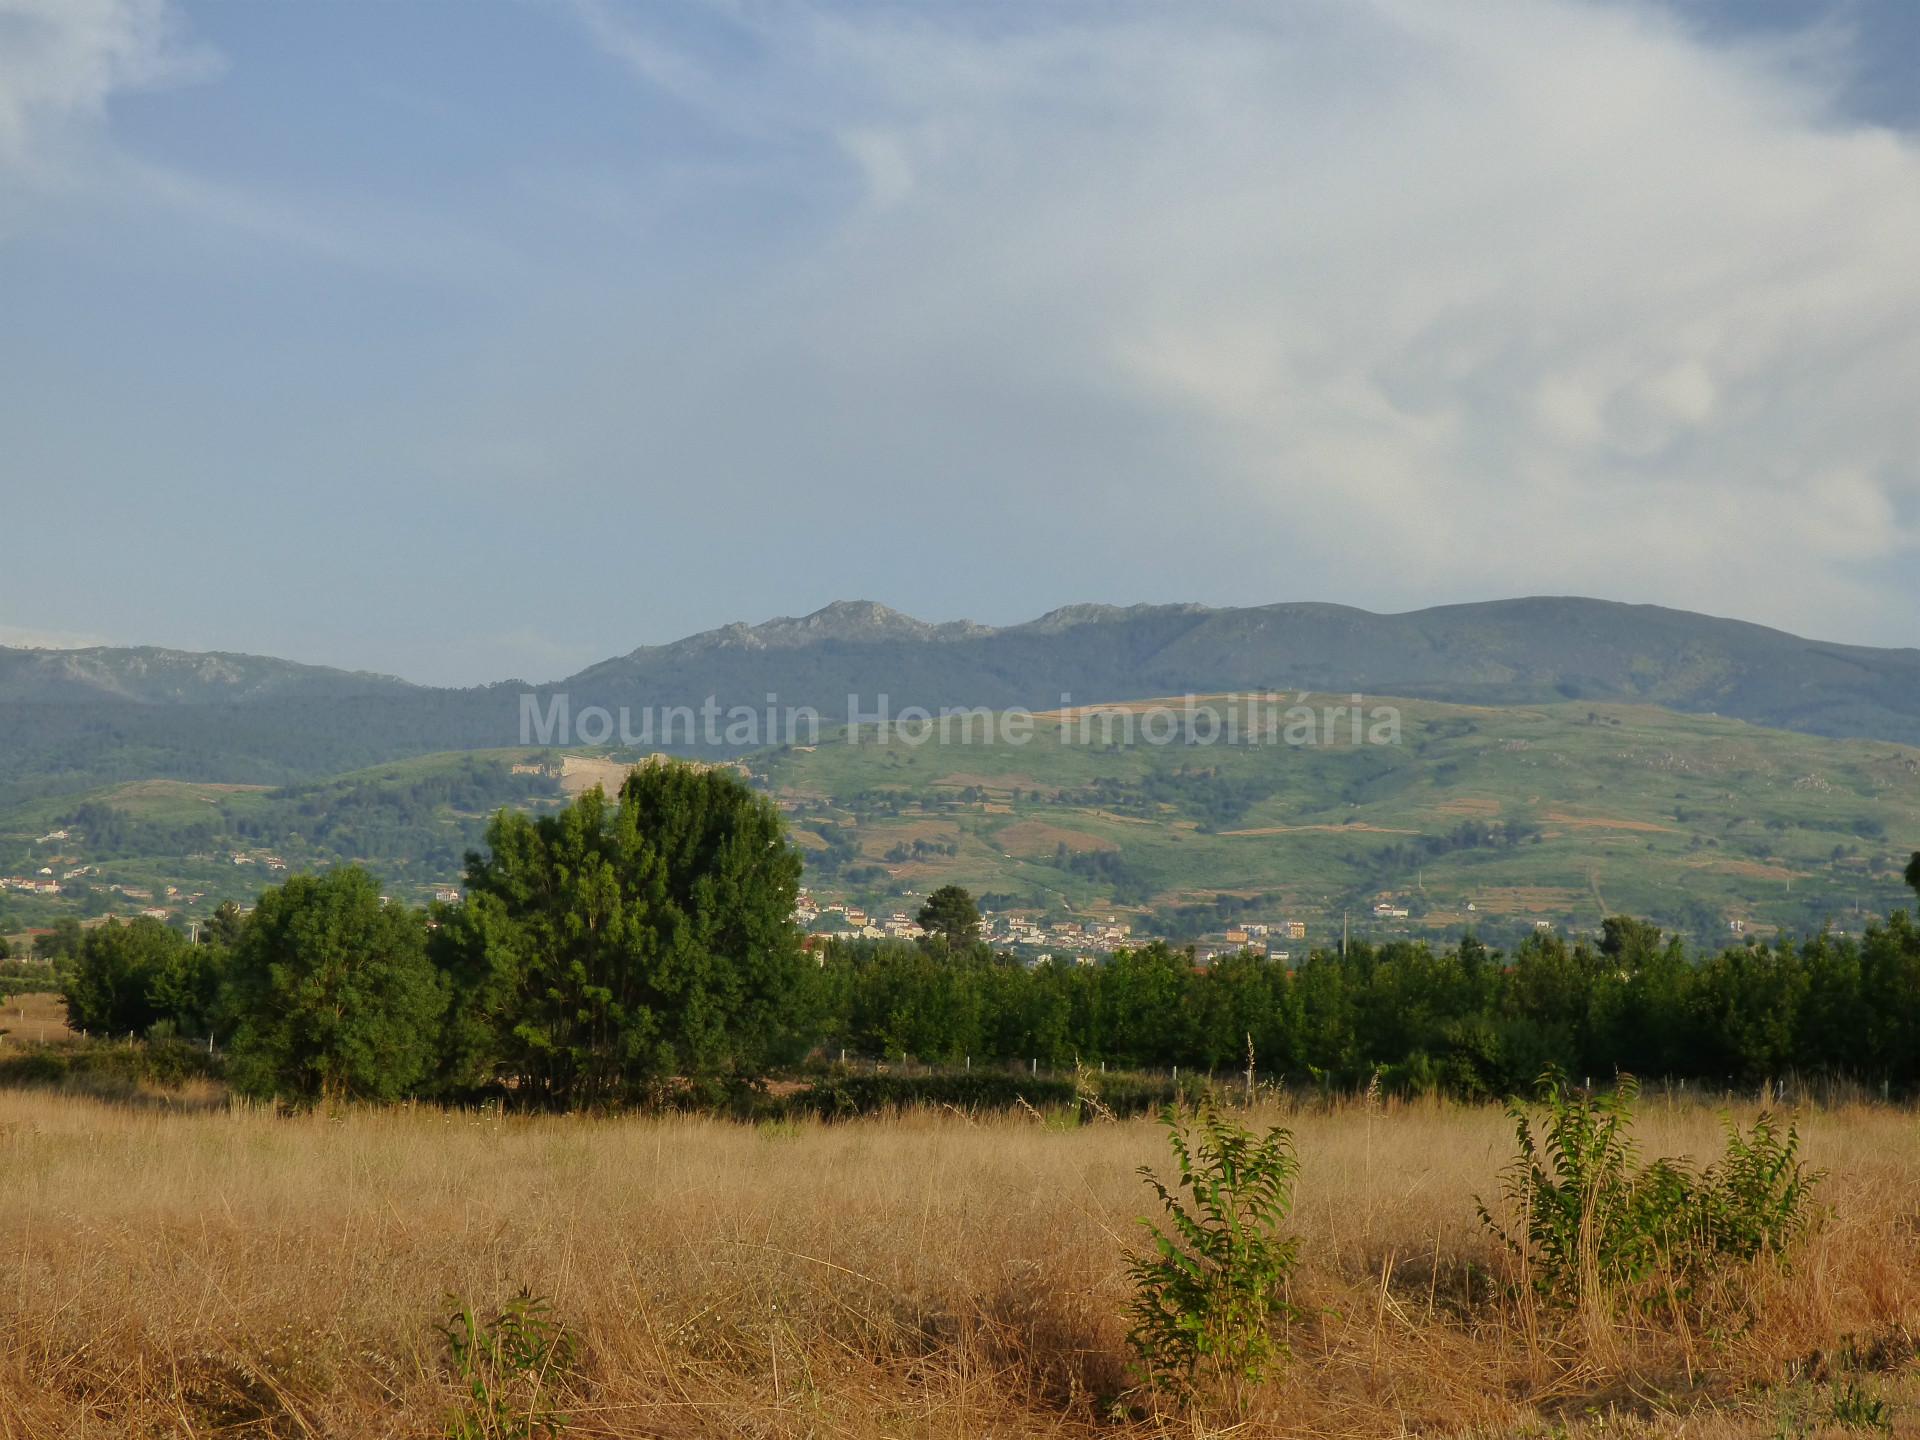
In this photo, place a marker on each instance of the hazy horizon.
(30, 642)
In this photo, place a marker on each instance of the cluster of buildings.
(46, 881)
(1081, 939)
(1074, 937)
(852, 923)
(1272, 941)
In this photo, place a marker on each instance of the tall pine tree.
(608, 953)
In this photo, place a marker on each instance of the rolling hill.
(1495, 817)
(72, 720)
(1559, 813)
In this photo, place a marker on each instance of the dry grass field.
(188, 1270)
(39, 1019)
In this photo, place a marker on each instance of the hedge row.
(107, 1069)
(843, 1095)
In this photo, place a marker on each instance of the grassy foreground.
(192, 1271)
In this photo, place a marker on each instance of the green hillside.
(1560, 813)
(184, 847)
(73, 721)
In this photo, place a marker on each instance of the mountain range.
(80, 716)
(147, 675)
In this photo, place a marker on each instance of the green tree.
(184, 989)
(1913, 872)
(331, 993)
(223, 927)
(950, 915)
(109, 988)
(604, 953)
(60, 945)
(1143, 1008)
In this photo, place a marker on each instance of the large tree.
(1913, 872)
(610, 953)
(110, 987)
(950, 915)
(332, 994)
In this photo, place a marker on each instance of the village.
(1085, 941)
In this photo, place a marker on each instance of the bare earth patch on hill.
(1357, 828)
(1599, 822)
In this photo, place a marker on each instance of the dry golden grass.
(38, 1019)
(206, 1273)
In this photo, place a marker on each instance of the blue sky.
(468, 339)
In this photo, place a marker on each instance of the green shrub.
(1758, 1199)
(1127, 1093)
(27, 977)
(1593, 1221)
(107, 1070)
(840, 1095)
(1213, 1290)
(509, 1365)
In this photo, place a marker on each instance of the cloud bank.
(61, 61)
(1464, 295)
(975, 309)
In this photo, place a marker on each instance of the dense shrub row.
(840, 1095)
(111, 1070)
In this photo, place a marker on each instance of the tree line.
(643, 952)
(1465, 1020)
(603, 955)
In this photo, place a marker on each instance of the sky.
(476, 339)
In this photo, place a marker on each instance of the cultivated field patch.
(1036, 837)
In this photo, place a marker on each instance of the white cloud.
(61, 61)
(1479, 295)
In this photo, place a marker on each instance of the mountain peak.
(841, 622)
(1068, 616)
(851, 619)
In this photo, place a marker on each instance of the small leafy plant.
(1593, 1221)
(1758, 1199)
(1212, 1292)
(509, 1364)
(1856, 1408)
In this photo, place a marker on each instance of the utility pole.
(1343, 934)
